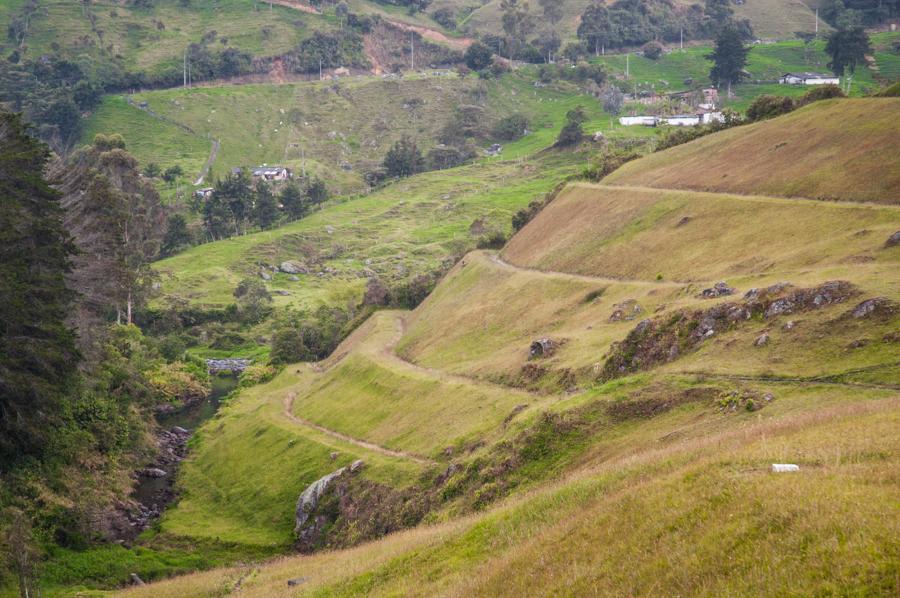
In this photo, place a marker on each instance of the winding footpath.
(288, 413)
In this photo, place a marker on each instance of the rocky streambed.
(155, 485)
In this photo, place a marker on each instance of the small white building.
(272, 173)
(645, 121)
(809, 79)
(681, 120)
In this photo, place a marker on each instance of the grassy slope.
(320, 121)
(148, 138)
(766, 62)
(667, 498)
(669, 514)
(825, 150)
(634, 233)
(141, 45)
(409, 225)
(778, 19)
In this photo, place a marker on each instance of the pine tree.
(177, 235)
(116, 219)
(729, 58)
(266, 208)
(847, 49)
(38, 357)
(404, 158)
(293, 201)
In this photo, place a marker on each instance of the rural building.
(272, 173)
(204, 193)
(809, 79)
(677, 120)
(646, 121)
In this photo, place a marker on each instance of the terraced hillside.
(636, 438)
(827, 150)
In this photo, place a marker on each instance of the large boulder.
(893, 240)
(292, 267)
(310, 497)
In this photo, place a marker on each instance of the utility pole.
(817, 21)
(184, 69)
(627, 64)
(412, 51)
(320, 69)
(682, 38)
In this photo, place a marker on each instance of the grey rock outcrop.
(720, 289)
(292, 267)
(893, 240)
(310, 497)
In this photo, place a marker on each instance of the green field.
(681, 70)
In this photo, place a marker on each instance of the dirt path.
(457, 43)
(213, 154)
(288, 405)
(296, 5)
(389, 353)
(497, 259)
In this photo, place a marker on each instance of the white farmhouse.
(272, 173)
(809, 79)
(646, 121)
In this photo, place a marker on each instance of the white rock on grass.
(784, 467)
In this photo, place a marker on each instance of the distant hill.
(837, 149)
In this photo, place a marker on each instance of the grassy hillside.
(661, 468)
(154, 39)
(319, 123)
(406, 228)
(827, 150)
(770, 19)
(668, 513)
(639, 233)
(681, 70)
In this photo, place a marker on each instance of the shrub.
(821, 92)
(652, 50)
(768, 106)
(478, 56)
(511, 128)
(573, 132)
(445, 17)
(493, 240)
(404, 159)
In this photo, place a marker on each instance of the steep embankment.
(837, 149)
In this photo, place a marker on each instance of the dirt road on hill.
(288, 413)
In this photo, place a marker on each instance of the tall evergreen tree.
(177, 235)
(38, 357)
(595, 28)
(117, 221)
(293, 201)
(847, 49)
(729, 58)
(265, 209)
(236, 192)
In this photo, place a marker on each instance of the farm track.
(288, 407)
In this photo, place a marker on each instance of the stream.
(154, 489)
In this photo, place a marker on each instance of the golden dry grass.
(640, 233)
(835, 149)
